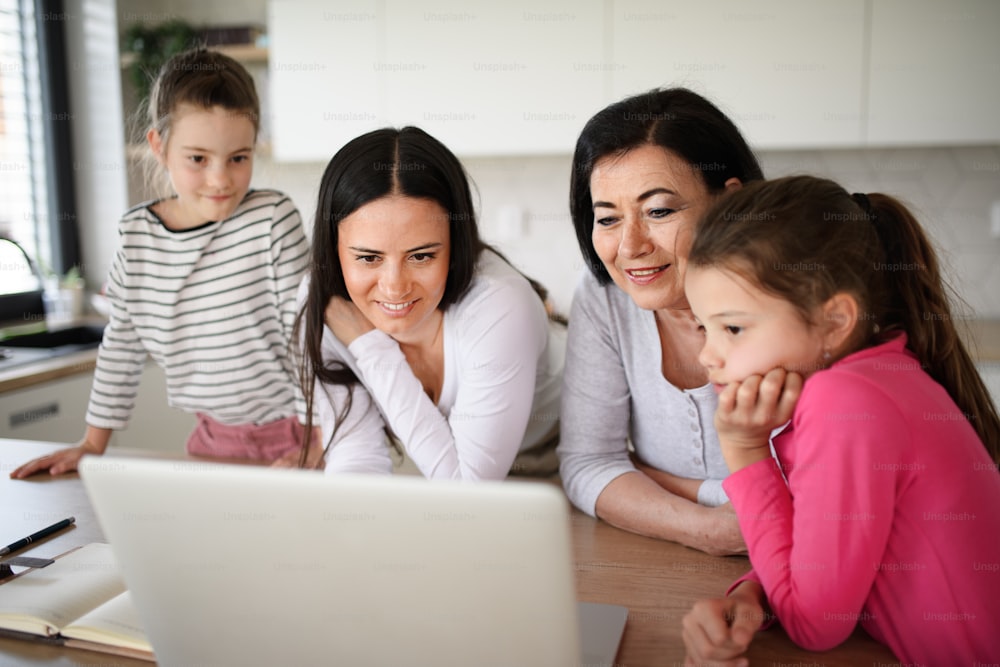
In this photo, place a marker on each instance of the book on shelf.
(79, 600)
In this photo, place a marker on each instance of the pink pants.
(261, 442)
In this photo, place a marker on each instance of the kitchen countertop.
(52, 367)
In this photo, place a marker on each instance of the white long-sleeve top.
(359, 441)
(502, 378)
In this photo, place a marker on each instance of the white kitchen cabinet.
(51, 411)
(513, 78)
(522, 78)
(935, 72)
(323, 74)
(788, 73)
(54, 411)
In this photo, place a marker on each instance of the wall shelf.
(248, 54)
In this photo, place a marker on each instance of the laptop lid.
(256, 566)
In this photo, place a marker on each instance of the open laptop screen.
(245, 565)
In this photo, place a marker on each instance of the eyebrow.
(644, 196)
(426, 246)
(199, 149)
(729, 313)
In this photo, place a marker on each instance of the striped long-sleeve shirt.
(214, 306)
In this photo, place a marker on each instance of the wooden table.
(658, 581)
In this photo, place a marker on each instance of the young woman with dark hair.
(453, 345)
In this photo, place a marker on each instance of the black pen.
(44, 532)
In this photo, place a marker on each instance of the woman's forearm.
(636, 503)
(679, 486)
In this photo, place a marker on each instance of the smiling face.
(646, 203)
(209, 157)
(394, 252)
(748, 331)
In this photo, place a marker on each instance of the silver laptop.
(239, 565)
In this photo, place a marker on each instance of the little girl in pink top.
(827, 319)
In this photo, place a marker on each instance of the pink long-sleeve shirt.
(890, 515)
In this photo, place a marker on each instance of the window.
(23, 196)
(36, 168)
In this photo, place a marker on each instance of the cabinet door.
(51, 411)
(511, 78)
(935, 72)
(788, 73)
(517, 77)
(323, 75)
(55, 412)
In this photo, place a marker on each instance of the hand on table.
(346, 320)
(57, 463)
(749, 410)
(718, 632)
(314, 460)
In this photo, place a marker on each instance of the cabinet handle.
(35, 414)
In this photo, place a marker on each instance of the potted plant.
(151, 46)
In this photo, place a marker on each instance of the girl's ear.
(155, 142)
(840, 316)
(732, 183)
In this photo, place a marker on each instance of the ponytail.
(918, 301)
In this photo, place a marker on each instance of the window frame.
(57, 120)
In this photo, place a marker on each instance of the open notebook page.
(43, 601)
(116, 622)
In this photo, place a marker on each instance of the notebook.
(243, 565)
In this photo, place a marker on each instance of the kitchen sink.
(11, 357)
(79, 337)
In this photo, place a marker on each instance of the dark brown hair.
(805, 239)
(675, 119)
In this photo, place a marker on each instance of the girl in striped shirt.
(204, 281)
